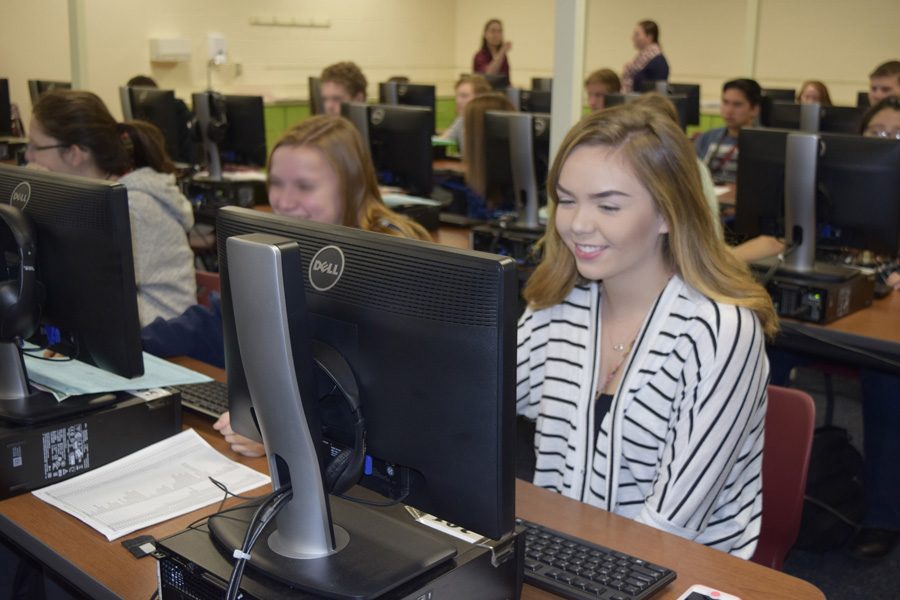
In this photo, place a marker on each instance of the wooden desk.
(106, 570)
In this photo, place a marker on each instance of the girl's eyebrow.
(596, 195)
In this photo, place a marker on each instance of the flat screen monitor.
(245, 136)
(535, 101)
(316, 106)
(691, 92)
(498, 82)
(780, 94)
(84, 265)
(542, 84)
(862, 99)
(36, 87)
(428, 332)
(407, 94)
(399, 138)
(157, 107)
(857, 196)
(841, 119)
(5, 109)
(504, 179)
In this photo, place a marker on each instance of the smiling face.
(607, 218)
(882, 87)
(303, 184)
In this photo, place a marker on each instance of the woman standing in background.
(649, 64)
(491, 58)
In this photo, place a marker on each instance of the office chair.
(206, 284)
(790, 422)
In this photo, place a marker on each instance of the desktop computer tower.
(37, 455)
(192, 567)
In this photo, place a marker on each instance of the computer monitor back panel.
(245, 139)
(157, 107)
(429, 333)
(85, 264)
(857, 195)
(5, 110)
(36, 87)
(535, 101)
(408, 94)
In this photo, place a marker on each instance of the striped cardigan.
(681, 446)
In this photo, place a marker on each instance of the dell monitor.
(422, 335)
(813, 117)
(517, 149)
(857, 190)
(407, 94)
(316, 106)
(85, 271)
(37, 87)
(399, 139)
(5, 109)
(159, 108)
(691, 91)
(535, 101)
(780, 94)
(542, 84)
(245, 136)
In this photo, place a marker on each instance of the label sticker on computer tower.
(66, 451)
(16, 456)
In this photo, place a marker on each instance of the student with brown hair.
(598, 84)
(341, 82)
(813, 91)
(73, 132)
(466, 88)
(474, 150)
(491, 58)
(884, 81)
(650, 64)
(641, 355)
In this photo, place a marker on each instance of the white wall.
(780, 42)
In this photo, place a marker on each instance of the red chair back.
(207, 282)
(790, 423)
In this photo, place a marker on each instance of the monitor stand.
(20, 404)
(381, 552)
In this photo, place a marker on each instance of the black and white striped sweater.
(681, 447)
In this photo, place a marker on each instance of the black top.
(602, 402)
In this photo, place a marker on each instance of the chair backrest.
(206, 283)
(790, 423)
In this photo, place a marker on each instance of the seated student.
(72, 132)
(658, 102)
(474, 151)
(880, 531)
(184, 116)
(641, 355)
(814, 92)
(884, 81)
(341, 82)
(598, 84)
(467, 87)
(718, 148)
(319, 170)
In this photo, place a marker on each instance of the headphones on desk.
(18, 300)
(344, 470)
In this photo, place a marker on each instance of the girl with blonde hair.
(641, 355)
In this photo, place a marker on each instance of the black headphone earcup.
(335, 470)
(18, 304)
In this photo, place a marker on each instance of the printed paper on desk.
(162, 481)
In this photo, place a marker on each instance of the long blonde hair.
(342, 145)
(661, 157)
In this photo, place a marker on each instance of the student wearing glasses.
(73, 132)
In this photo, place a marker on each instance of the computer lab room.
(419, 300)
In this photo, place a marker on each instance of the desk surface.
(106, 570)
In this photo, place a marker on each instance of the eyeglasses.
(32, 147)
(882, 133)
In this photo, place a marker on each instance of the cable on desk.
(228, 493)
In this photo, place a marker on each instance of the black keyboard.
(209, 398)
(577, 569)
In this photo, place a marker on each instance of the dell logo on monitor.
(326, 268)
(21, 195)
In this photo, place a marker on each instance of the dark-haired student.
(884, 81)
(641, 355)
(341, 82)
(492, 57)
(650, 64)
(718, 148)
(73, 132)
